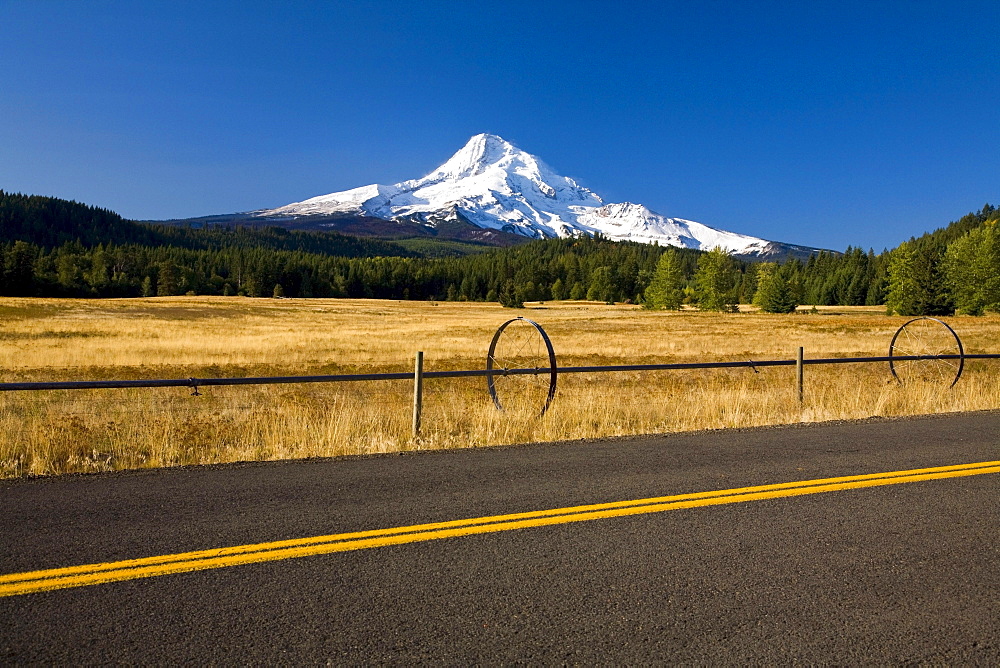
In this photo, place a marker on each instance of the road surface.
(590, 552)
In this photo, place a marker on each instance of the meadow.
(55, 432)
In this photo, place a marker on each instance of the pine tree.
(774, 291)
(666, 290)
(305, 287)
(601, 288)
(167, 280)
(252, 286)
(19, 269)
(917, 285)
(508, 296)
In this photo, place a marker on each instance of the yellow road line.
(76, 576)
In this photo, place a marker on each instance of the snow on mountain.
(634, 222)
(494, 185)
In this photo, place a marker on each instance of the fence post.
(798, 372)
(418, 391)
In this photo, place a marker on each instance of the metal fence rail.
(543, 363)
(471, 373)
(195, 383)
(763, 363)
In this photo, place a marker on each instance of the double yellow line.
(92, 574)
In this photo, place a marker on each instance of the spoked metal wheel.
(926, 350)
(521, 368)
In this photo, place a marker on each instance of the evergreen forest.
(56, 248)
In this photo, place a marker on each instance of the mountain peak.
(492, 184)
(479, 153)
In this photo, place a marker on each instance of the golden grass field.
(57, 432)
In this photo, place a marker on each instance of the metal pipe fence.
(542, 363)
(195, 383)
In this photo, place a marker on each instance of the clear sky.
(821, 123)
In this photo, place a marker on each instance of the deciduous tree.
(716, 281)
(666, 290)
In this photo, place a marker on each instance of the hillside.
(48, 222)
(953, 231)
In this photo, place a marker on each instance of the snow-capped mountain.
(493, 185)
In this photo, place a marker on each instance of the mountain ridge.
(493, 185)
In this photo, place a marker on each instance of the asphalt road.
(895, 574)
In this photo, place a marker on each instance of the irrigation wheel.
(926, 350)
(521, 368)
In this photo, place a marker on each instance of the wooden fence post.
(798, 372)
(418, 391)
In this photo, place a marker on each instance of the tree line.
(56, 248)
(956, 269)
(554, 269)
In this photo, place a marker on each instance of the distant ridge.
(49, 222)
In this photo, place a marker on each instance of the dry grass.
(98, 430)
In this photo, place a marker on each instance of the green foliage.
(50, 223)
(958, 229)
(602, 288)
(666, 290)
(508, 297)
(435, 248)
(168, 280)
(953, 267)
(972, 270)
(19, 269)
(716, 281)
(774, 294)
(116, 258)
(558, 290)
(855, 278)
(52, 247)
(916, 282)
(904, 291)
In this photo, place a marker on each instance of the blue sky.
(821, 123)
